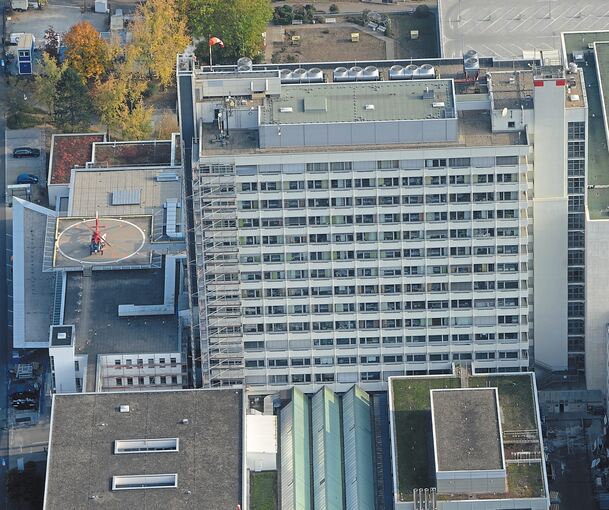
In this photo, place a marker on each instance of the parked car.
(26, 152)
(27, 179)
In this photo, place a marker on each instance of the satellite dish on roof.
(504, 112)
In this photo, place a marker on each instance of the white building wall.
(132, 372)
(440, 315)
(63, 368)
(597, 310)
(550, 232)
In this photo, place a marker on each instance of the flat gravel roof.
(467, 434)
(360, 102)
(81, 460)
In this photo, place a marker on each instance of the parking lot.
(507, 29)
(36, 166)
(60, 17)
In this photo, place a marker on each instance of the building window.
(151, 380)
(119, 381)
(129, 381)
(117, 362)
(147, 481)
(576, 131)
(163, 379)
(150, 362)
(174, 379)
(506, 160)
(576, 149)
(140, 381)
(76, 366)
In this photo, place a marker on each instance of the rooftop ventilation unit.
(244, 64)
(299, 74)
(340, 74)
(355, 73)
(396, 72)
(286, 109)
(315, 75)
(370, 73)
(411, 72)
(427, 72)
(124, 408)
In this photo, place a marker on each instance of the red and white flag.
(216, 40)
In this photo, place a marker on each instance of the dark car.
(27, 179)
(26, 152)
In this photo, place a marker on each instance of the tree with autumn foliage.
(159, 33)
(239, 23)
(119, 99)
(86, 52)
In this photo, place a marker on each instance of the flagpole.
(209, 43)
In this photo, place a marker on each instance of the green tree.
(72, 102)
(159, 33)
(45, 82)
(239, 23)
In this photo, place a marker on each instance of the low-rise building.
(178, 449)
(466, 441)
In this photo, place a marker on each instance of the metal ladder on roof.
(49, 244)
(57, 298)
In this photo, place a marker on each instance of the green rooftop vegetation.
(413, 429)
(525, 480)
(515, 399)
(263, 490)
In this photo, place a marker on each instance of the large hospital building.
(349, 223)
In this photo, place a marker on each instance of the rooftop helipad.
(127, 242)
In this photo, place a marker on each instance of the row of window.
(349, 219)
(363, 376)
(322, 256)
(439, 234)
(432, 198)
(381, 182)
(479, 162)
(363, 324)
(393, 288)
(305, 274)
(393, 340)
(151, 363)
(376, 359)
(391, 306)
(141, 381)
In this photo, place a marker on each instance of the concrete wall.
(471, 482)
(597, 303)
(358, 133)
(550, 214)
(64, 369)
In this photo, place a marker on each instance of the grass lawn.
(263, 490)
(426, 46)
